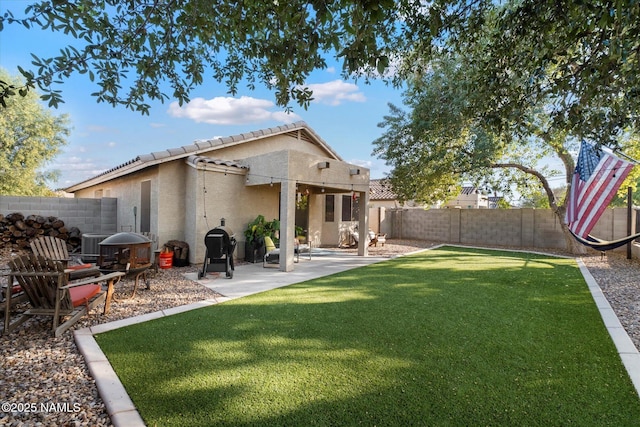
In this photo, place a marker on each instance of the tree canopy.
(445, 139)
(143, 43)
(30, 137)
(579, 57)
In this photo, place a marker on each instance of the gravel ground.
(46, 382)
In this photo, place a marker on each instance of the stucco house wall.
(127, 191)
(236, 178)
(217, 194)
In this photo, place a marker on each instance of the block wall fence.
(533, 228)
(97, 216)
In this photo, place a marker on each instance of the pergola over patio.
(296, 171)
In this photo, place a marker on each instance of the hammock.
(604, 245)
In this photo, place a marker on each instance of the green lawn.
(451, 336)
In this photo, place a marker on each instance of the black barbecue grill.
(220, 244)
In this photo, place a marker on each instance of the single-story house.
(469, 198)
(181, 193)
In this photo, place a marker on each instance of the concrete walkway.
(254, 278)
(250, 279)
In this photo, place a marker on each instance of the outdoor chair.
(302, 248)
(50, 293)
(56, 249)
(11, 294)
(374, 238)
(272, 253)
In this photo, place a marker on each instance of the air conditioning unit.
(90, 246)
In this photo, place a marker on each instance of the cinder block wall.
(539, 228)
(89, 215)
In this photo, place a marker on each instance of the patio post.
(287, 224)
(363, 224)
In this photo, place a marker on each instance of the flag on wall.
(596, 180)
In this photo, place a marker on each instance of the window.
(350, 208)
(329, 207)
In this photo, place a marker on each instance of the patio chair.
(56, 249)
(11, 295)
(50, 293)
(272, 253)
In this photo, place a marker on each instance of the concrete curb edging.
(626, 349)
(120, 407)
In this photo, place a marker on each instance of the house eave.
(204, 146)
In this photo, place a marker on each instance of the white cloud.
(230, 111)
(359, 162)
(100, 129)
(157, 125)
(111, 144)
(75, 169)
(336, 92)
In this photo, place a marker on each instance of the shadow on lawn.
(419, 340)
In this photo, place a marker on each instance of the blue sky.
(344, 113)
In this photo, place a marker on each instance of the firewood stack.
(180, 252)
(17, 231)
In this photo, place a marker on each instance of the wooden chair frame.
(47, 286)
(56, 249)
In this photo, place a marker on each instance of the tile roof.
(380, 189)
(298, 129)
(194, 160)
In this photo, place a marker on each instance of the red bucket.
(166, 260)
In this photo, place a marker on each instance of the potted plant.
(255, 233)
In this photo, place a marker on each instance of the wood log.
(15, 216)
(75, 232)
(18, 230)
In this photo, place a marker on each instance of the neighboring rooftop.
(380, 189)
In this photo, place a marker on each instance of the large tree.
(579, 58)
(30, 137)
(510, 84)
(445, 139)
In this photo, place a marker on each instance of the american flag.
(596, 180)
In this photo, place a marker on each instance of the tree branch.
(545, 183)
